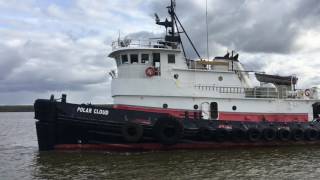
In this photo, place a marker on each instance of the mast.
(173, 37)
(171, 12)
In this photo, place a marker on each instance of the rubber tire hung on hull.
(269, 134)
(284, 134)
(311, 134)
(221, 135)
(238, 134)
(204, 134)
(254, 134)
(297, 134)
(168, 131)
(132, 132)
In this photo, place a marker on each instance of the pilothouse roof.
(154, 45)
(171, 41)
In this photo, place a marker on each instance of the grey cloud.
(314, 80)
(308, 12)
(9, 60)
(143, 35)
(249, 26)
(60, 48)
(52, 64)
(254, 65)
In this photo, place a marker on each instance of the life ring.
(284, 134)
(311, 134)
(132, 132)
(269, 134)
(221, 135)
(307, 92)
(253, 134)
(168, 131)
(238, 134)
(297, 134)
(150, 71)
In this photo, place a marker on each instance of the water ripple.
(20, 159)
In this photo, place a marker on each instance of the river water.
(20, 159)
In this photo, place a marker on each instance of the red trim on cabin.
(258, 117)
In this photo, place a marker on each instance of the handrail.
(132, 43)
(257, 92)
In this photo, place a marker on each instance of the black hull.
(68, 126)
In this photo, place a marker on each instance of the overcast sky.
(61, 46)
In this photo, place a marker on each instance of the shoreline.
(17, 108)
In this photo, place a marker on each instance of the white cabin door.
(205, 110)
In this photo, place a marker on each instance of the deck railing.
(130, 43)
(257, 92)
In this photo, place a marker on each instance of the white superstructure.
(155, 73)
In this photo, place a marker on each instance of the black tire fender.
(269, 134)
(132, 132)
(238, 134)
(204, 134)
(168, 131)
(254, 134)
(221, 135)
(311, 134)
(297, 134)
(284, 134)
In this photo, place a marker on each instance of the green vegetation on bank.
(17, 108)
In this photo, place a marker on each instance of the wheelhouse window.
(144, 58)
(156, 59)
(118, 60)
(171, 58)
(134, 58)
(124, 58)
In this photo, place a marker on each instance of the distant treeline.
(18, 108)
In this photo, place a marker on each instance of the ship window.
(171, 58)
(124, 58)
(118, 60)
(156, 57)
(144, 58)
(234, 108)
(134, 58)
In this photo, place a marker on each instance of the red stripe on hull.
(258, 117)
(224, 116)
(181, 146)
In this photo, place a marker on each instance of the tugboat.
(165, 101)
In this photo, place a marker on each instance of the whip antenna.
(207, 29)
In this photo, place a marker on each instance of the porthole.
(234, 108)
(165, 106)
(220, 78)
(195, 106)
